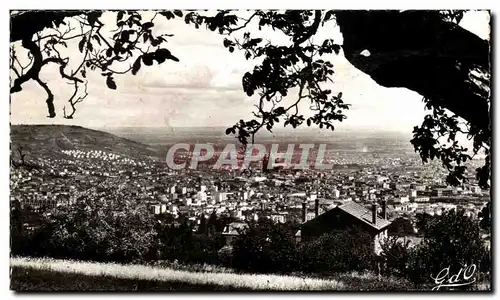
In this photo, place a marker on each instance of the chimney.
(374, 213)
(316, 208)
(384, 209)
(304, 212)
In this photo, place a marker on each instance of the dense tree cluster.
(110, 231)
(97, 232)
(452, 241)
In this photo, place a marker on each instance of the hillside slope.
(51, 140)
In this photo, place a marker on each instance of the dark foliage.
(94, 231)
(396, 255)
(450, 241)
(182, 244)
(454, 241)
(339, 252)
(17, 232)
(485, 217)
(265, 248)
(423, 222)
(98, 231)
(90, 231)
(401, 227)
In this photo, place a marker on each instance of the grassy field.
(65, 275)
(29, 275)
(37, 280)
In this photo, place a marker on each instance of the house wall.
(378, 239)
(335, 220)
(229, 239)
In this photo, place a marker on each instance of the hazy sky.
(204, 88)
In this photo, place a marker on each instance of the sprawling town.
(407, 186)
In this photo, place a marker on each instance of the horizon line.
(361, 128)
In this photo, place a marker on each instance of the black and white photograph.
(250, 150)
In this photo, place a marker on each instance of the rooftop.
(364, 214)
(234, 228)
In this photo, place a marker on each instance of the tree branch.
(50, 97)
(311, 30)
(32, 73)
(72, 101)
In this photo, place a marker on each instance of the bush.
(179, 242)
(401, 227)
(396, 256)
(450, 241)
(109, 231)
(225, 256)
(265, 248)
(93, 230)
(339, 252)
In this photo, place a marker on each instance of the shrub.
(94, 230)
(265, 248)
(450, 241)
(396, 255)
(338, 252)
(181, 243)
(225, 256)
(401, 227)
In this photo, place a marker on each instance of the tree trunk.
(417, 50)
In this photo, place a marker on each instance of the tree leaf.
(81, 44)
(254, 42)
(162, 54)
(109, 52)
(98, 40)
(178, 13)
(110, 82)
(93, 16)
(171, 57)
(136, 66)
(119, 16)
(247, 84)
(168, 14)
(147, 25)
(328, 15)
(336, 48)
(147, 59)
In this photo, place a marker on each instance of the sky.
(204, 88)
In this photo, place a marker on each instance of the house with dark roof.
(232, 230)
(350, 215)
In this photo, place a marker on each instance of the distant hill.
(172, 135)
(341, 140)
(52, 139)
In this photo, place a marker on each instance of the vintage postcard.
(250, 150)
